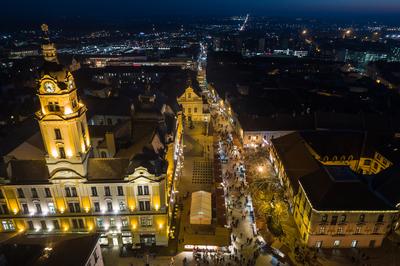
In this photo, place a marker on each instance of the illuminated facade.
(128, 196)
(193, 106)
(331, 206)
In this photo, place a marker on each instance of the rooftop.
(40, 250)
(343, 192)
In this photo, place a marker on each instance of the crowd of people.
(245, 250)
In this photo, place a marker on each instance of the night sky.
(15, 10)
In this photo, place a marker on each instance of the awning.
(200, 209)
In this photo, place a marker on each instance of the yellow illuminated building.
(332, 207)
(68, 190)
(193, 106)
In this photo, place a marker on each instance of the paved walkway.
(245, 249)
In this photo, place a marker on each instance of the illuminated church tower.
(62, 118)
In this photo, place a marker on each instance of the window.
(1, 194)
(324, 218)
(124, 222)
(195, 110)
(109, 206)
(78, 224)
(189, 110)
(361, 218)
(334, 220)
(4, 209)
(340, 230)
(107, 191)
(43, 224)
(94, 191)
(57, 133)
(143, 190)
(354, 243)
(53, 107)
(375, 165)
(71, 192)
(56, 224)
(51, 207)
(189, 95)
(376, 229)
(8, 225)
(100, 222)
(336, 243)
(103, 154)
(343, 218)
(38, 208)
(61, 152)
(318, 244)
(74, 193)
(25, 208)
(74, 207)
(34, 193)
(322, 230)
(146, 221)
(122, 206)
(112, 222)
(20, 193)
(120, 191)
(367, 162)
(81, 223)
(358, 230)
(67, 192)
(30, 225)
(97, 207)
(144, 205)
(47, 192)
(380, 218)
(75, 223)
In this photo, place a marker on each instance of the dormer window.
(53, 107)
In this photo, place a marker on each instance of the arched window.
(335, 158)
(325, 159)
(350, 157)
(103, 154)
(343, 158)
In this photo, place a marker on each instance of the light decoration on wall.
(67, 110)
(54, 153)
(69, 153)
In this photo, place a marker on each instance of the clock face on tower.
(49, 87)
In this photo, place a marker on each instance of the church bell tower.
(62, 119)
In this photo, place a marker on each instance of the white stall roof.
(200, 209)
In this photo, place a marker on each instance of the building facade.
(332, 207)
(128, 199)
(193, 106)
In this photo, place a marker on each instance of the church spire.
(49, 50)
